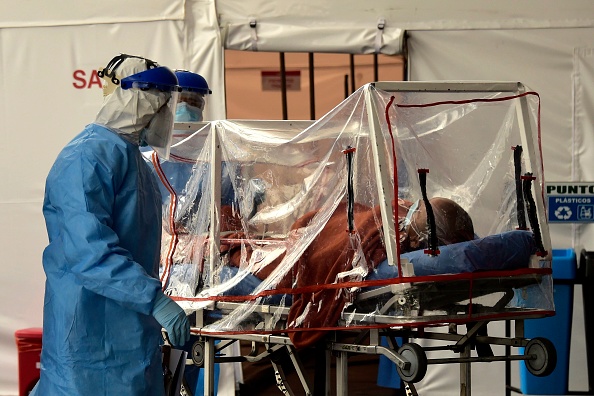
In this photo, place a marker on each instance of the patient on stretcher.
(453, 224)
(316, 257)
(330, 254)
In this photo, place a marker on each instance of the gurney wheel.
(198, 353)
(414, 354)
(546, 356)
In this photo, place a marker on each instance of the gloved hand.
(172, 318)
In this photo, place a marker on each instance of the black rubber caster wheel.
(544, 356)
(198, 353)
(414, 354)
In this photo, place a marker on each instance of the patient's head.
(453, 224)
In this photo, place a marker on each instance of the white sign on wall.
(570, 202)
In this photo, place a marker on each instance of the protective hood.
(128, 111)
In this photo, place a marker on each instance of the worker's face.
(194, 99)
(190, 107)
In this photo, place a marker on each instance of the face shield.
(159, 131)
(190, 107)
(162, 83)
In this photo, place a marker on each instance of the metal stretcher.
(412, 361)
(476, 143)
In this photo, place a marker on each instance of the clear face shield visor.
(190, 107)
(159, 132)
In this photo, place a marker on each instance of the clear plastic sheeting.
(407, 205)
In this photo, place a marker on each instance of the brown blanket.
(328, 255)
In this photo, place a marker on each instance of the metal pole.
(352, 61)
(405, 59)
(209, 362)
(283, 85)
(507, 362)
(465, 374)
(586, 267)
(375, 68)
(342, 384)
(312, 89)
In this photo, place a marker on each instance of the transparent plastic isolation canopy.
(299, 227)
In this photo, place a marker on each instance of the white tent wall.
(583, 130)
(559, 65)
(542, 59)
(49, 93)
(73, 12)
(351, 26)
(320, 26)
(49, 49)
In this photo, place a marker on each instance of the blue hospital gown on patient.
(103, 215)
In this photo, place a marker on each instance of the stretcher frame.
(411, 361)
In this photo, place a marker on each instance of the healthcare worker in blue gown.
(193, 97)
(190, 108)
(104, 308)
(179, 170)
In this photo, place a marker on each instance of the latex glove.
(172, 318)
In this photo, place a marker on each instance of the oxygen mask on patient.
(413, 228)
(452, 224)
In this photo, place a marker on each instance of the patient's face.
(415, 233)
(452, 222)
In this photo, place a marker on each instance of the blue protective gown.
(103, 215)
